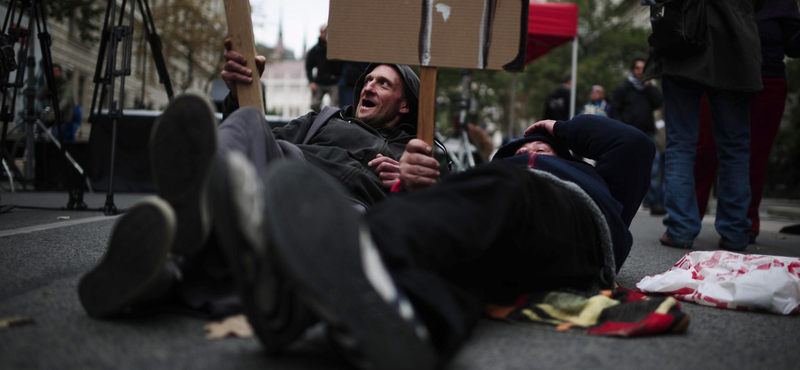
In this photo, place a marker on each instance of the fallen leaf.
(780, 237)
(234, 325)
(15, 321)
(62, 218)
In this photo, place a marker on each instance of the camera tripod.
(9, 35)
(105, 81)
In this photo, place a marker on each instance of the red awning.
(549, 26)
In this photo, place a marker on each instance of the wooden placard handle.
(427, 104)
(240, 30)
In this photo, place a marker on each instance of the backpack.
(679, 27)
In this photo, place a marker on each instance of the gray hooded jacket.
(344, 145)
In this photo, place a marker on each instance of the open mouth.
(366, 103)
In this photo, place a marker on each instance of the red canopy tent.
(549, 26)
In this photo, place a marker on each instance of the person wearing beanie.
(165, 250)
(402, 285)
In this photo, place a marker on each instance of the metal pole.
(512, 112)
(574, 81)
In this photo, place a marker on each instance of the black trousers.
(485, 234)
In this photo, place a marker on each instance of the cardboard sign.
(473, 34)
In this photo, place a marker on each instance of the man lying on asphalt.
(162, 250)
(402, 285)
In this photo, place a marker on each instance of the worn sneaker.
(331, 260)
(273, 309)
(665, 240)
(182, 145)
(132, 270)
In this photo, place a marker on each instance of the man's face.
(381, 102)
(638, 69)
(323, 32)
(538, 147)
(597, 94)
(56, 72)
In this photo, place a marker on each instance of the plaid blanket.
(621, 312)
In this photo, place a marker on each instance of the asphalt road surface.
(42, 258)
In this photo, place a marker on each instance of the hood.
(411, 87)
(560, 146)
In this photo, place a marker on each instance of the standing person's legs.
(766, 111)
(655, 194)
(705, 162)
(681, 108)
(316, 98)
(333, 91)
(731, 125)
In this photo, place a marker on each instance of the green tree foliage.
(195, 30)
(85, 13)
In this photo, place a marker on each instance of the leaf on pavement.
(234, 325)
(14, 321)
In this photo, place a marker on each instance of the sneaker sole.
(276, 315)
(316, 240)
(136, 254)
(183, 144)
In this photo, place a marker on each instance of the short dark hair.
(636, 60)
(566, 77)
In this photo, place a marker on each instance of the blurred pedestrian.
(326, 78)
(557, 104)
(597, 104)
(635, 100)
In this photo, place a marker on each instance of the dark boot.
(276, 314)
(133, 270)
(182, 146)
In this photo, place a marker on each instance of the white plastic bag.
(732, 280)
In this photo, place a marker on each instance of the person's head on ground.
(637, 67)
(597, 94)
(538, 147)
(387, 94)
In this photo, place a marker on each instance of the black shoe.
(182, 146)
(752, 235)
(331, 260)
(273, 309)
(132, 270)
(657, 210)
(665, 240)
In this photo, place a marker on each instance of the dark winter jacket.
(327, 70)
(636, 107)
(779, 28)
(557, 104)
(344, 145)
(617, 183)
(732, 59)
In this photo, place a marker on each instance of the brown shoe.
(665, 240)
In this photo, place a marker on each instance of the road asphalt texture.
(43, 255)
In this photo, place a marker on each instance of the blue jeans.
(730, 114)
(655, 194)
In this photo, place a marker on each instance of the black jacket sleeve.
(623, 155)
(617, 101)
